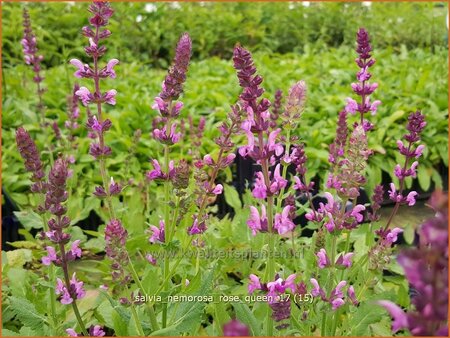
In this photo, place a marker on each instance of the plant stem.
(137, 321)
(67, 281)
(168, 228)
(51, 274)
(270, 270)
(400, 191)
(322, 329)
(153, 320)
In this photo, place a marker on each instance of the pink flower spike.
(399, 317)
(218, 189)
(254, 284)
(411, 198)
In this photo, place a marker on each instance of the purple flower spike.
(28, 150)
(115, 240)
(172, 86)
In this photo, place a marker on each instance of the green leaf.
(366, 314)
(9, 333)
(27, 314)
(246, 316)
(120, 325)
(232, 197)
(29, 219)
(408, 233)
(424, 177)
(17, 258)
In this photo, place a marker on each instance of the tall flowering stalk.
(169, 108)
(97, 124)
(33, 164)
(115, 234)
(379, 254)
(206, 187)
(426, 268)
(262, 148)
(70, 289)
(33, 59)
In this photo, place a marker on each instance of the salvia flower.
(76, 290)
(323, 259)
(363, 88)
(283, 222)
(94, 331)
(254, 284)
(158, 233)
(173, 83)
(256, 222)
(295, 104)
(115, 239)
(345, 260)
(158, 174)
(29, 152)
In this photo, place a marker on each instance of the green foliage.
(28, 315)
(148, 32)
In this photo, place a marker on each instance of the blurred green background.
(290, 41)
(147, 32)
